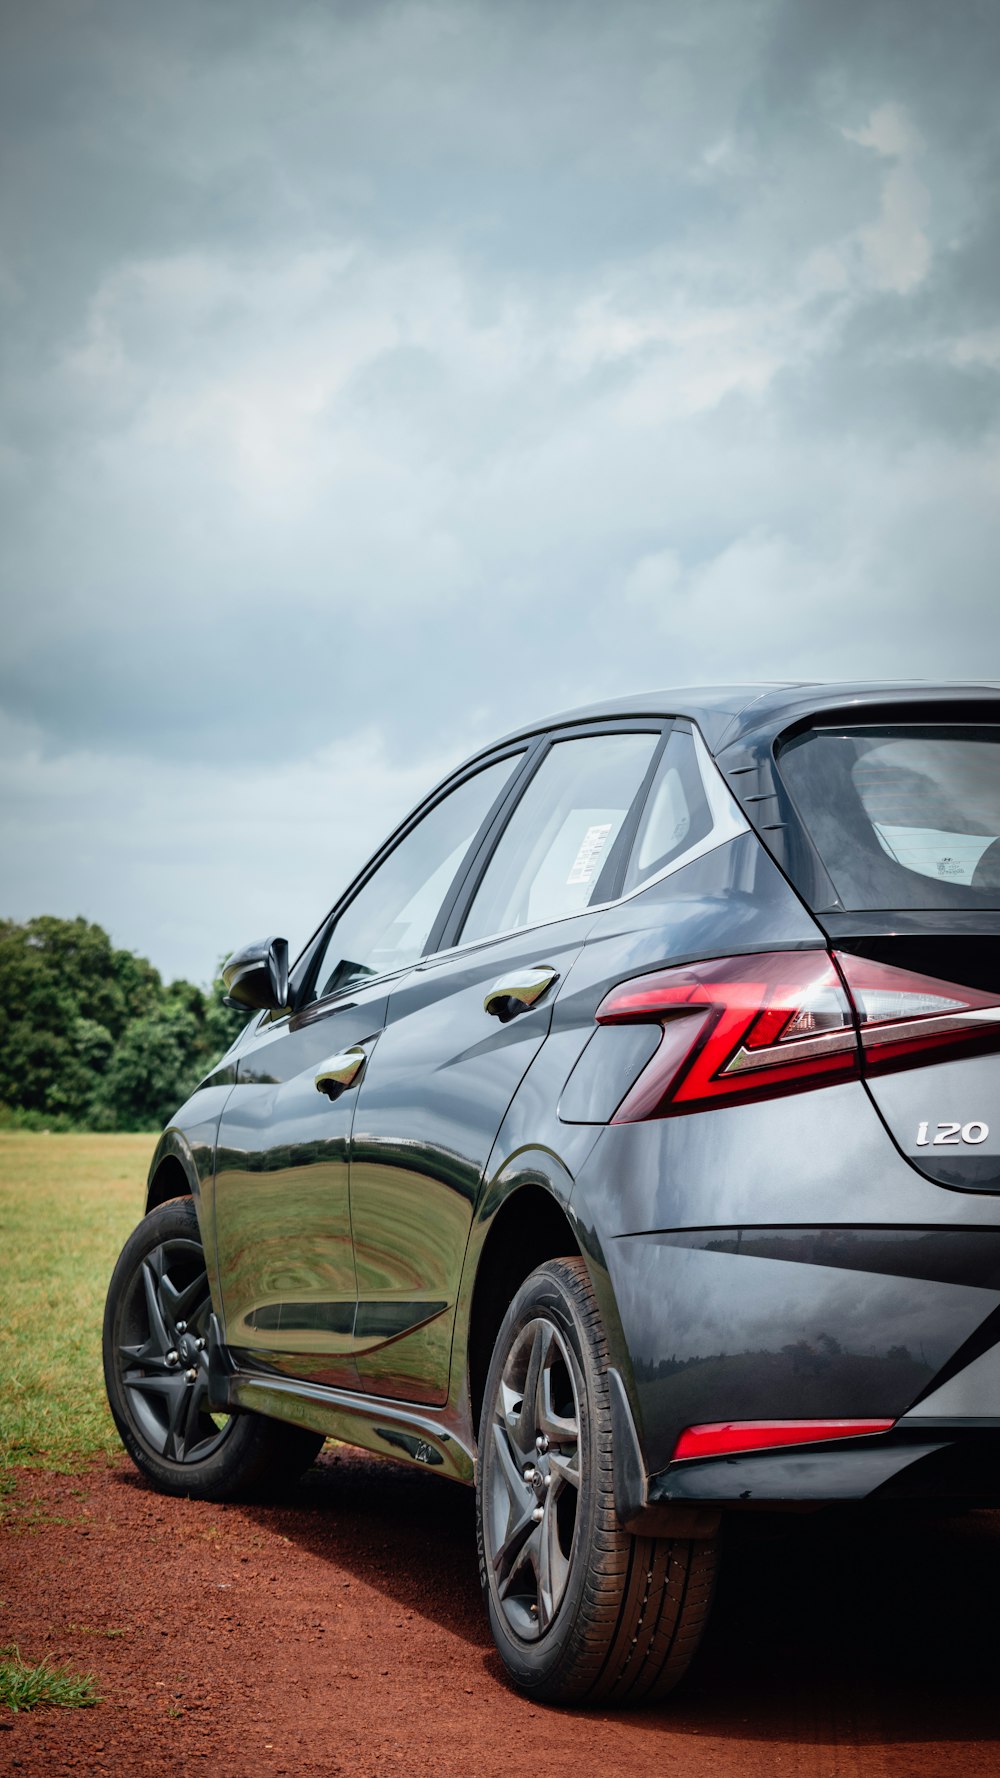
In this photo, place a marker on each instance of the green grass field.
(67, 1203)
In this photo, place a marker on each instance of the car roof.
(726, 714)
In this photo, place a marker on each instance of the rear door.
(461, 1031)
(905, 818)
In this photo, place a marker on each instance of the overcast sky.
(375, 376)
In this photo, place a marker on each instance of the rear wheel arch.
(529, 1228)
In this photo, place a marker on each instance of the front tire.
(156, 1373)
(579, 1608)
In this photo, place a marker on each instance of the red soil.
(341, 1632)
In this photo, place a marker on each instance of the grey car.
(625, 1144)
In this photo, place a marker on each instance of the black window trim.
(728, 823)
(443, 941)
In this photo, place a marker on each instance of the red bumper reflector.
(720, 1437)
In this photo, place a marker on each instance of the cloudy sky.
(376, 375)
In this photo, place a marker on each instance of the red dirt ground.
(341, 1632)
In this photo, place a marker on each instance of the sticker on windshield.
(591, 846)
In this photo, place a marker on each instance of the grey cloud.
(430, 365)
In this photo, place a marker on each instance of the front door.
(283, 1222)
(282, 1210)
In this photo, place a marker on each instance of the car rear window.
(902, 817)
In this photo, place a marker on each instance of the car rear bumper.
(955, 1461)
(783, 1262)
(940, 1462)
(803, 1324)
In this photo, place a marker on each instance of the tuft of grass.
(22, 1686)
(67, 1204)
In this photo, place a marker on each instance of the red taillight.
(722, 1438)
(905, 1018)
(736, 1028)
(740, 1028)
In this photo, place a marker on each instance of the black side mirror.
(257, 976)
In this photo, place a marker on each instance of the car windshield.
(902, 817)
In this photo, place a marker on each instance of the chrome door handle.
(515, 993)
(340, 1072)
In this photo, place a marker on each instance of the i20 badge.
(946, 1134)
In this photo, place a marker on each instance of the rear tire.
(156, 1373)
(579, 1608)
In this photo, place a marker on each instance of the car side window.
(386, 925)
(676, 816)
(549, 859)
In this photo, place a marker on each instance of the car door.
(282, 1212)
(461, 1030)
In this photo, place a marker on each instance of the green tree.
(89, 1035)
(153, 1068)
(54, 974)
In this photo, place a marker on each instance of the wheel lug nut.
(538, 1514)
(191, 1376)
(529, 1472)
(541, 1443)
(172, 1358)
(546, 1481)
(182, 1327)
(200, 1345)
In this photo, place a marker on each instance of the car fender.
(183, 1163)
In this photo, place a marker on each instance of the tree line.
(91, 1037)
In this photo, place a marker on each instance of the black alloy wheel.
(163, 1353)
(156, 1356)
(534, 1477)
(579, 1608)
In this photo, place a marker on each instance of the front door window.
(386, 925)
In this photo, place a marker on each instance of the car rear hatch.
(891, 830)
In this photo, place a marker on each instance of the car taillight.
(741, 1028)
(905, 1018)
(736, 1028)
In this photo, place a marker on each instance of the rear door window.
(901, 816)
(558, 844)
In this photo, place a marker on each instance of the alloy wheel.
(533, 1480)
(162, 1354)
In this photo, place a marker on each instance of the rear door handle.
(340, 1072)
(516, 993)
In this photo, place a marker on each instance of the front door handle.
(340, 1072)
(515, 993)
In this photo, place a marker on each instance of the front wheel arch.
(157, 1357)
(169, 1181)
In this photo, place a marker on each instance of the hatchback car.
(624, 1144)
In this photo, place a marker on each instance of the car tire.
(579, 1608)
(156, 1326)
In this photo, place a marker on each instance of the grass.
(23, 1686)
(67, 1203)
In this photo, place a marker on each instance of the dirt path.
(341, 1632)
